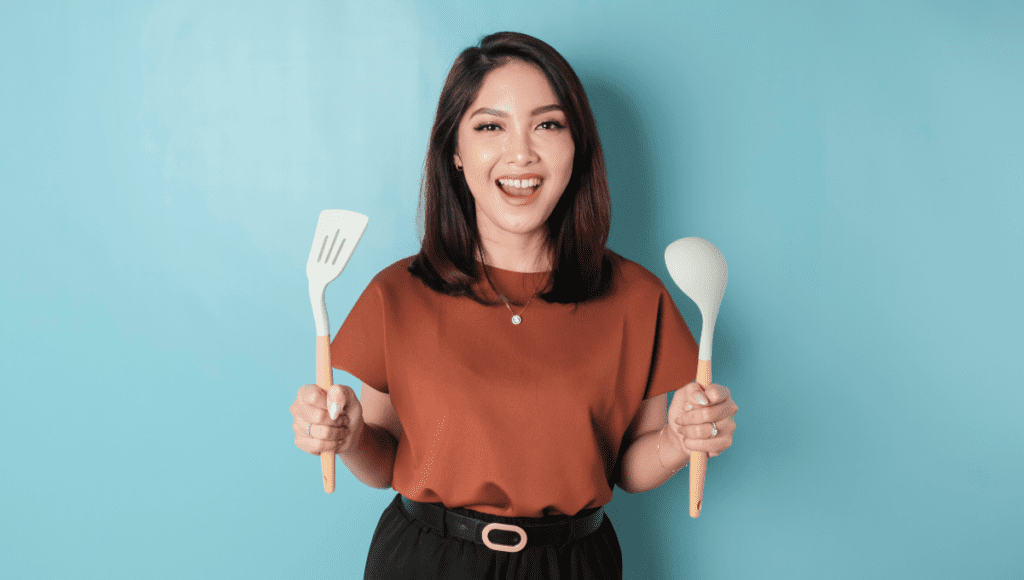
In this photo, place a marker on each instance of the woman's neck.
(516, 253)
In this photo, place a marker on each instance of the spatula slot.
(334, 241)
(338, 255)
(319, 257)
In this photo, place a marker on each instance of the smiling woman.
(513, 108)
(516, 151)
(504, 440)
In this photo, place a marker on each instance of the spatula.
(337, 233)
(699, 269)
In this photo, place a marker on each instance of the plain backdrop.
(162, 166)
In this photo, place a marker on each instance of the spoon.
(699, 269)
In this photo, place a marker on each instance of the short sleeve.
(674, 362)
(358, 347)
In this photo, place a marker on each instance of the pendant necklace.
(516, 318)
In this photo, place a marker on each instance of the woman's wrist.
(671, 455)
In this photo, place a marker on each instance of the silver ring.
(307, 429)
(714, 429)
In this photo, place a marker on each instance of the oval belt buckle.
(508, 528)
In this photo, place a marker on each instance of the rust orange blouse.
(514, 420)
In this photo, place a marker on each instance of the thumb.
(700, 394)
(336, 400)
(714, 393)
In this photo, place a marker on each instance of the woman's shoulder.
(397, 275)
(633, 278)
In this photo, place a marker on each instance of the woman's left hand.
(696, 413)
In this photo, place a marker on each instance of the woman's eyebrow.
(545, 109)
(498, 113)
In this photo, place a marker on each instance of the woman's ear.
(458, 161)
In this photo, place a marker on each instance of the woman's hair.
(578, 226)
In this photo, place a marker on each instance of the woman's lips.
(519, 195)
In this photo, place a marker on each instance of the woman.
(515, 369)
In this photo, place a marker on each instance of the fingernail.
(702, 399)
(689, 407)
(334, 410)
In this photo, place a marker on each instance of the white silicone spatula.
(699, 269)
(337, 233)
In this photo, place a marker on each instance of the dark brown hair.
(578, 226)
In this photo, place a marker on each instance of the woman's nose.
(520, 148)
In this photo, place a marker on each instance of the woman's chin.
(516, 225)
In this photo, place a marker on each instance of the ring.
(307, 429)
(714, 429)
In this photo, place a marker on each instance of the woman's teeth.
(519, 186)
(520, 183)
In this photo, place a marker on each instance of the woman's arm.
(642, 468)
(371, 457)
(702, 419)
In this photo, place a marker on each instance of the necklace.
(516, 318)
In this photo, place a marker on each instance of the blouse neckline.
(513, 272)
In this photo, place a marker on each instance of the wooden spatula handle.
(699, 459)
(324, 380)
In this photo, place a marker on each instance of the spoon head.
(699, 269)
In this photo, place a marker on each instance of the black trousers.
(403, 548)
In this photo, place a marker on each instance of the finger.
(336, 400)
(714, 441)
(698, 415)
(699, 396)
(328, 432)
(313, 445)
(701, 431)
(690, 395)
(303, 412)
(302, 429)
(709, 446)
(715, 430)
(716, 393)
(320, 430)
(313, 396)
(720, 412)
(726, 427)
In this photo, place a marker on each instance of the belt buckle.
(509, 528)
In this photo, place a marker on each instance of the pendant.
(516, 319)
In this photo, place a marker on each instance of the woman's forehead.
(517, 87)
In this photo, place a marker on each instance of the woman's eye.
(551, 125)
(487, 127)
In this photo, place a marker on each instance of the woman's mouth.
(520, 191)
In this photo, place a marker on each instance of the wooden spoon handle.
(699, 459)
(324, 380)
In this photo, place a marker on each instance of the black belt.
(500, 536)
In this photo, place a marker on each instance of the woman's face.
(516, 150)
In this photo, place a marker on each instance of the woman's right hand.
(315, 430)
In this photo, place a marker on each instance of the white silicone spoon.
(699, 269)
(337, 233)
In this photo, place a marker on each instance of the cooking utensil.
(700, 271)
(337, 233)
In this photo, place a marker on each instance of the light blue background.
(162, 165)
